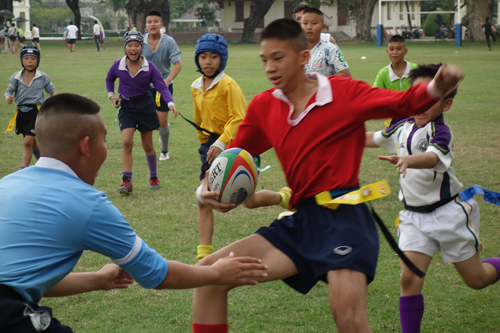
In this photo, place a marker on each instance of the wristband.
(219, 144)
(198, 195)
(111, 94)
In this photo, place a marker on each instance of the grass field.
(167, 219)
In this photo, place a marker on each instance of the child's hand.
(9, 99)
(209, 197)
(239, 270)
(213, 152)
(113, 277)
(401, 162)
(116, 101)
(173, 109)
(447, 78)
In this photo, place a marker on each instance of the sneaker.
(286, 194)
(164, 156)
(125, 187)
(154, 183)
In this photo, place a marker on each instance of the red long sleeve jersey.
(322, 149)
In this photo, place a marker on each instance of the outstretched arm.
(369, 142)
(108, 277)
(419, 161)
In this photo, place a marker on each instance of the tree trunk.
(258, 9)
(363, 11)
(75, 8)
(477, 11)
(138, 9)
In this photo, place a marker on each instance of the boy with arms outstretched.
(320, 147)
(138, 110)
(44, 229)
(435, 219)
(28, 85)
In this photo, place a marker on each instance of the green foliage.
(181, 6)
(206, 14)
(105, 23)
(430, 24)
(50, 19)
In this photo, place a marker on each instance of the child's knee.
(408, 279)
(128, 144)
(29, 142)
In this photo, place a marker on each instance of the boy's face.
(396, 52)
(282, 64)
(133, 50)
(153, 24)
(312, 25)
(435, 111)
(209, 62)
(30, 62)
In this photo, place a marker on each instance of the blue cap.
(212, 43)
(30, 50)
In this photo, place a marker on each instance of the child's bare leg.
(411, 302)
(205, 230)
(28, 145)
(477, 274)
(263, 198)
(147, 142)
(210, 303)
(348, 292)
(128, 143)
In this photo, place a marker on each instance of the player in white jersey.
(435, 218)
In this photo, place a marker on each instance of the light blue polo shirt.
(166, 54)
(29, 94)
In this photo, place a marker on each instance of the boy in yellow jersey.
(219, 108)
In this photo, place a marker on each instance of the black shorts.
(71, 41)
(36, 40)
(21, 39)
(203, 151)
(18, 316)
(25, 122)
(318, 240)
(163, 105)
(12, 38)
(138, 113)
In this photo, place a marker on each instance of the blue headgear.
(132, 36)
(30, 50)
(212, 43)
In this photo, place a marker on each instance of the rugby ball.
(234, 175)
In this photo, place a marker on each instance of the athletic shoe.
(125, 187)
(154, 183)
(164, 156)
(286, 194)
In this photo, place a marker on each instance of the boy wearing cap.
(138, 110)
(26, 89)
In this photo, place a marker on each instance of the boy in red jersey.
(320, 145)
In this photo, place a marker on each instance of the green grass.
(167, 219)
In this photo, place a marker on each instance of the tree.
(205, 14)
(138, 9)
(74, 5)
(6, 4)
(363, 11)
(477, 11)
(258, 9)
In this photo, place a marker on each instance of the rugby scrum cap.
(30, 50)
(212, 43)
(132, 36)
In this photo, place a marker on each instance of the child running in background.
(326, 57)
(434, 219)
(219, 108)
(138, 111)
(27, 85)
(395, 75)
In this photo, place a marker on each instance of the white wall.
(23, 6)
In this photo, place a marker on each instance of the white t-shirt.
(36, 32)
(325, 37)
(97, 29)
(72, 29)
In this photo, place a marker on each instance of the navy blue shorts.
(139, 113)
(203, 150)
(318, 240)
(163, 105)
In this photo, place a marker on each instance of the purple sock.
(127, 175)
(152, 165)
(411, 311)
(496, 263)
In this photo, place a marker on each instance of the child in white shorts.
(435, 219)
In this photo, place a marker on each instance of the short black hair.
(70, 22)
(13, 24)
(300, 8)
(95, 21)
(34, 24)
(430, 71)
(68, 103)
(286, 30)
(154, 13)
(397, 39)
(314, 11)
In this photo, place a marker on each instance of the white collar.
(394, 77)
(146, 39)
(198, 84)
(20, 75)
(123, 66)
(323, 96)
(52, 163)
